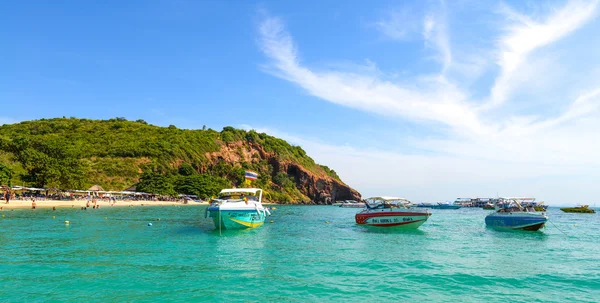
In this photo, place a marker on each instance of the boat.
(352, 204)
(425, 205)
(488, 206)
(391, 212)
(530, 202)
(237, 208)
(441, 205)
(511, 214)
(578, 209)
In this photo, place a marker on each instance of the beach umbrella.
(96, 188)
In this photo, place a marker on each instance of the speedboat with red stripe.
(391, 212)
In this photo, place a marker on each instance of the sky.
(429, 100)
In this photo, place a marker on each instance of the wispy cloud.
(397, 24)
(430, 99)
(435, 35)
(525, 35)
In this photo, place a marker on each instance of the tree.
(156, 184)
(5, 174)
(202, 186)
(186, 170)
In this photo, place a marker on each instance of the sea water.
(307, 254)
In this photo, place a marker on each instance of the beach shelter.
(132, 188)
(96, 188)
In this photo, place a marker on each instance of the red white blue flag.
(250, 175)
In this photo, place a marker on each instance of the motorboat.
(578, 209)
(391, 212)
(441, 205)
(352, 204)
(511, 214)
(489, 205)
(424, 205)
(237, 208)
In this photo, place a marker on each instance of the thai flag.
(250, 175)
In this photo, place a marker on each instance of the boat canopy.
(388, 199)
(240, 190)
(519, 198)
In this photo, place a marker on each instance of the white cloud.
(525, 35)
(397, 24)
(487, 148)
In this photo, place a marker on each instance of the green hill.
(117, 154)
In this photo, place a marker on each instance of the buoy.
(149, 224)
(2, 216)
(272, 221)
(67, 222)
(274, 208)
(158, 219)
(105, 218)
(53, 217)
(326, 222)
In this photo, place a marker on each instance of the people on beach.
(33, 204)
(7, 196)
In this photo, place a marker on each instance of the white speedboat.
(352, 204)
(237, 208)
(391, 212)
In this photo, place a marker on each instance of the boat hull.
(578, 210)
(404, 220)
(516, 221)
(236, 218)
(446, 207)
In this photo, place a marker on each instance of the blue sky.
(426, 99)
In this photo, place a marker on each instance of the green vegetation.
(5, 174)
(117, 153)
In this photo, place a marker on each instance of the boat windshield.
(377, 203)
(513, 205)
(238, 197)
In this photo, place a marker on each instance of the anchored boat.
(391, 212)
(511, 214)
(441, 205)
(578, 209)
(237, 208)
(352, 204)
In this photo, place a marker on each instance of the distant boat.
(426, 205)
(237, 208)
(445, 206)
(488, 206)
(578, 209)
(352, 204)
(391, 212)
(512, 215)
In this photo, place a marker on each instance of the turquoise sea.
(298, 258)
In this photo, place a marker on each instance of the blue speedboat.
(445, 206)
(512, 215)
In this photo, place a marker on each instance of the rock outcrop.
(319, 188)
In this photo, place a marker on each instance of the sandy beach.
(15, 204)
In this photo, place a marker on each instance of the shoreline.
(18, 204)
(78, 204)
